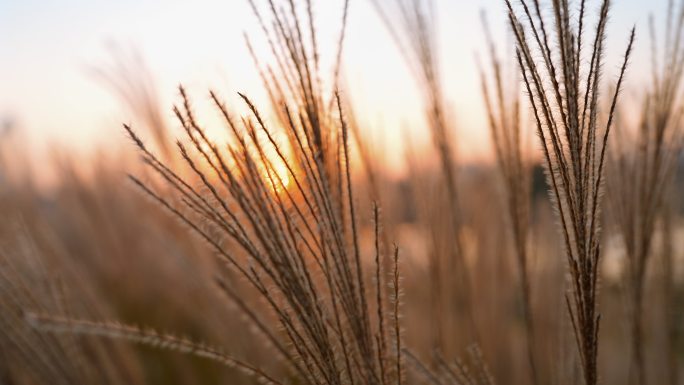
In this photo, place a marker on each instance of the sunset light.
(341, 192)
(53, 55)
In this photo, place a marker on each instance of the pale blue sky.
(48, 46)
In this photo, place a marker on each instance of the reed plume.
(282, 216)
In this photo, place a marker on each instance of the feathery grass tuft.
(565, 103)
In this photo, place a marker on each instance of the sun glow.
(277, 177)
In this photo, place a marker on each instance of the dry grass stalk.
(32, 278)
(503, 113)
(565, 104)
(672, 311)
(644, 171)
(472, 371)
(130, 79)
(412, 25)
(150, 337)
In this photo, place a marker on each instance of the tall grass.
(33, 276)
(412, 25)
(643, 171)
(504, 117)
(269, 233)
(574, 144)
(291, 236)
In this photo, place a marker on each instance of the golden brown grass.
(574, 144)
(412, 26)
(296, 246)
(504, 117)
(643, 171)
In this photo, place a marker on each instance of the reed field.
(283, 251)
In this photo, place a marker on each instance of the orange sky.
(49, 48)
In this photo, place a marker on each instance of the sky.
(50, 51)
